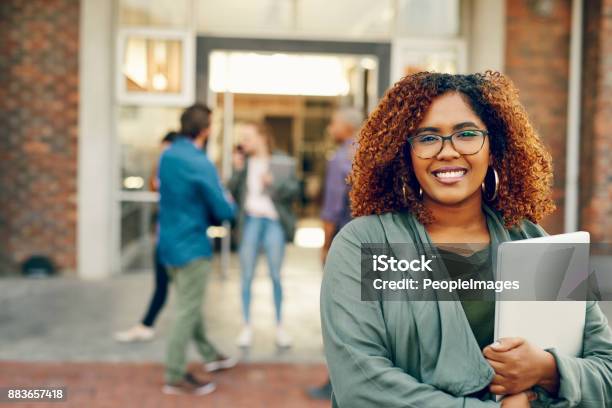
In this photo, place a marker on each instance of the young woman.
(266, 219)
(144, 331)
(448, 159)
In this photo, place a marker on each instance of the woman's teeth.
(450, 174)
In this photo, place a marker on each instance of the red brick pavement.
(114, 385)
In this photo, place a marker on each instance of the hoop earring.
(405, 192)
(484, 189)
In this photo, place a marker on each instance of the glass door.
(141, 131)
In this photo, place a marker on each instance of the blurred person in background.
(238, 163)
(191, 199)
(266, 218)
(143, 331)
(336, 211)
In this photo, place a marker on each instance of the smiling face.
(450, 178)
(252, 140)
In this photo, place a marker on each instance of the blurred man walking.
(191, 198)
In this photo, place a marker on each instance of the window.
(156, 67)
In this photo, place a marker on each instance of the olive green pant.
(190, 282)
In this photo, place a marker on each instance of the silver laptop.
(552, 272)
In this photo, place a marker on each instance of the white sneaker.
(189, 385)
(221, 363)
(245, 338)
(136, 333)
(283, 339)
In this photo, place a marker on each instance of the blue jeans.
(261, 232)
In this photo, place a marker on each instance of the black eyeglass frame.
(485, 134)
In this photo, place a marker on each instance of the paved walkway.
(59, 331)
(126, 385)
(67, 319)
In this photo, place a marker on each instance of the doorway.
(292, 86)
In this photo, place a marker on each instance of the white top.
(258, 202)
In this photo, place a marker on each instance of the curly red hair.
(382, 179)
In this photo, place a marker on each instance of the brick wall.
(537, 60)
(596, 139)
(38, 118)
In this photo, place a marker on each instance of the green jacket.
(423, 354)
(283, 194)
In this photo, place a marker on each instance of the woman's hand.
(267, 179)
(520, 400)
(519, 365)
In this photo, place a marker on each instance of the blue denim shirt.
(191, 199)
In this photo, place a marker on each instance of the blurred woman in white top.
(266, 220)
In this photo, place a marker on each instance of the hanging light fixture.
(159, 81)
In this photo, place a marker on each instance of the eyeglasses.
(466, 142)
